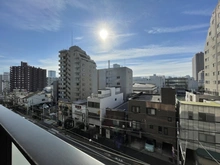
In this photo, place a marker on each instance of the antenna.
(71, 38)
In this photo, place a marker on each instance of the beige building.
(78, 74)
(116, 77)
(212, 54)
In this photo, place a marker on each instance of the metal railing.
(36, 144)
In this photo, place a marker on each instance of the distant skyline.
(149, 36)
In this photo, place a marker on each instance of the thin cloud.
(37, 15)
(157, 30)
(78, 38)
(124, 35)
(207, 12)
(152, 50)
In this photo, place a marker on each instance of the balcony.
(35, 143)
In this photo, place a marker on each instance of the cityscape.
(105, 105)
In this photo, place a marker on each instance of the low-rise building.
(110, 97)
(157, 80)
(199, 97)
(145, 88)
(152, 119)
(79, 113)
(199, 130)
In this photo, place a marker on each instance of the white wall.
(78, 111)
(38, 99)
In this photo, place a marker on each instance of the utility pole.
(178, 146)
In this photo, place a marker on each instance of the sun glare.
(103, 34)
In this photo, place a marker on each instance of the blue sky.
(148, 36)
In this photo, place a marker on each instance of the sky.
(149, 36)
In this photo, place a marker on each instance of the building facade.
(110, 97)
(78, 74)
(152, 118)
(199, 130)
(201, 78)
(116, 77)
(51, 73)
(212, 54)
(27, 77)
(197, 64)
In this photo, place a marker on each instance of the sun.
(103, 34)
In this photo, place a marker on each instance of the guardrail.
(36, 144)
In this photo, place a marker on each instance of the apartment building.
(116, 77)
(78, 74)
(110, 97)
(199, 131)
(27, 77)
(6, 82)
(152, 118)
(212, 54)
(197, 64)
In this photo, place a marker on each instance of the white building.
(78, 74)
(199, 127)
(145, 88)
(79, 112)
(110, 97)
(199, 97)
(159, 81)
(201, 78)
(116, 77)
(36, 98)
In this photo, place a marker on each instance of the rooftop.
(209, 104)
(141, 86)
(146, 97)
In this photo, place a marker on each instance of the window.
(43, 99)
(206, 138)
(202, 137)
(213, 21)
(213, 73)
(190, 115)
(151, 126)
(116, 122)
(169, 119)
(202, 117)
(93, 105)
(160, 130)
(99, 92)
(118, 83)
(165, 130)
(118, 77)
(213, 65)
(210, 138)
(151, 111)
(210, 33)
(136, 125)
(210, 117)
(207, 117)
(135, 109)
(207, 43)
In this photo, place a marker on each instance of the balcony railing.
(36, 144)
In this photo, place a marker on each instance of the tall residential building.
(51, 77)
(51, 73)
(212, 54)
(78, 74)
(27, 77)
(6, 82)
(116, 77)
(197, 64)
(0, 84)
